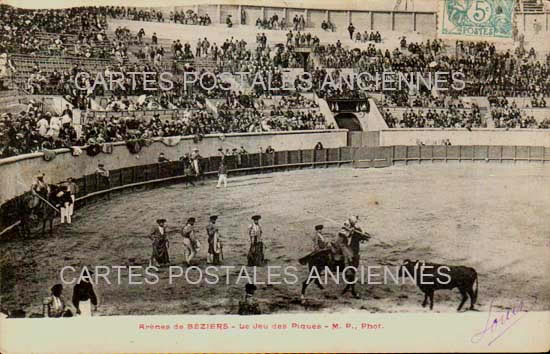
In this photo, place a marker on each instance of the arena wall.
(361, 19)
(315, 18)
(18, 171)
(423, 22)
(528, 21)
(383, 21)
(340, 19)
(271, 11)
(512, 137)
(252, 13)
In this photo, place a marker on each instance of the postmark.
(476, 18)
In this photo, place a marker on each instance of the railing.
(58, 59)
(385, 156)
(94, 186)
(141, 114)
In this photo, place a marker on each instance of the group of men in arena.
(256, 257)
(192, 245)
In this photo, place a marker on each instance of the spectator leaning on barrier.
(73, 191)
(103, 177)
(162, 158)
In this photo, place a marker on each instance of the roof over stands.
(419, 5)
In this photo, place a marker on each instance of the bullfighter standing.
(256, 252)
(191, 243)
(214, 242)
(160, 244)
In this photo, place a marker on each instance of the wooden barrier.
(93, 186)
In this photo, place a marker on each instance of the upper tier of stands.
(44, 58)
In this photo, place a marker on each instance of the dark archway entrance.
(303, 57)
(305, 61)
(348, 121)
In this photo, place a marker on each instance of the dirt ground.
(494, 218)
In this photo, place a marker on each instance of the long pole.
(50, 204)
(362, 233)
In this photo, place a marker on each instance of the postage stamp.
(477, 18)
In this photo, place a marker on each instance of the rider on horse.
(343, 242)
(341, 254)
(319, 241)
(40, 186)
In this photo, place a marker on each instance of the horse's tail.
(304, 260)
(474, 300)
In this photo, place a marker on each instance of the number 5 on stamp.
(476, 18)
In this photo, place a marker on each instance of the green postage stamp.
(476, 18)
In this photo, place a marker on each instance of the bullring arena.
(457, 214)
(455, 178)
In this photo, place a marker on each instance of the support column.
(371, 21)
(306, 12)
(240, 15)
(393, 20)
(414, 21)
(349, 17)
(327, 15)
(219, 11)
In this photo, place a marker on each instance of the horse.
(31, 206)
(25, 211)
(49, 213)
(335, 262)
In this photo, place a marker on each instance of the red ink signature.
(497, 324)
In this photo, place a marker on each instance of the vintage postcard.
(274, 176)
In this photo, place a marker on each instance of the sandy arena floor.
(490, 217)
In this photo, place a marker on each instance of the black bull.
(430, 277)
(326, 259)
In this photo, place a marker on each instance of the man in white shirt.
(43, 126)
(66, 120)
(55, 126)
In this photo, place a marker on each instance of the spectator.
(351, 29)
(104, 179)
(222, 174)
(73, 191)
(54, 305)
(162, 158)
(84, 295)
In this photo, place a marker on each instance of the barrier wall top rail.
(92, 186)
(13, 159)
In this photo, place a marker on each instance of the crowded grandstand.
(54, 61)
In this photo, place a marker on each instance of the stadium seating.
(49, 68)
